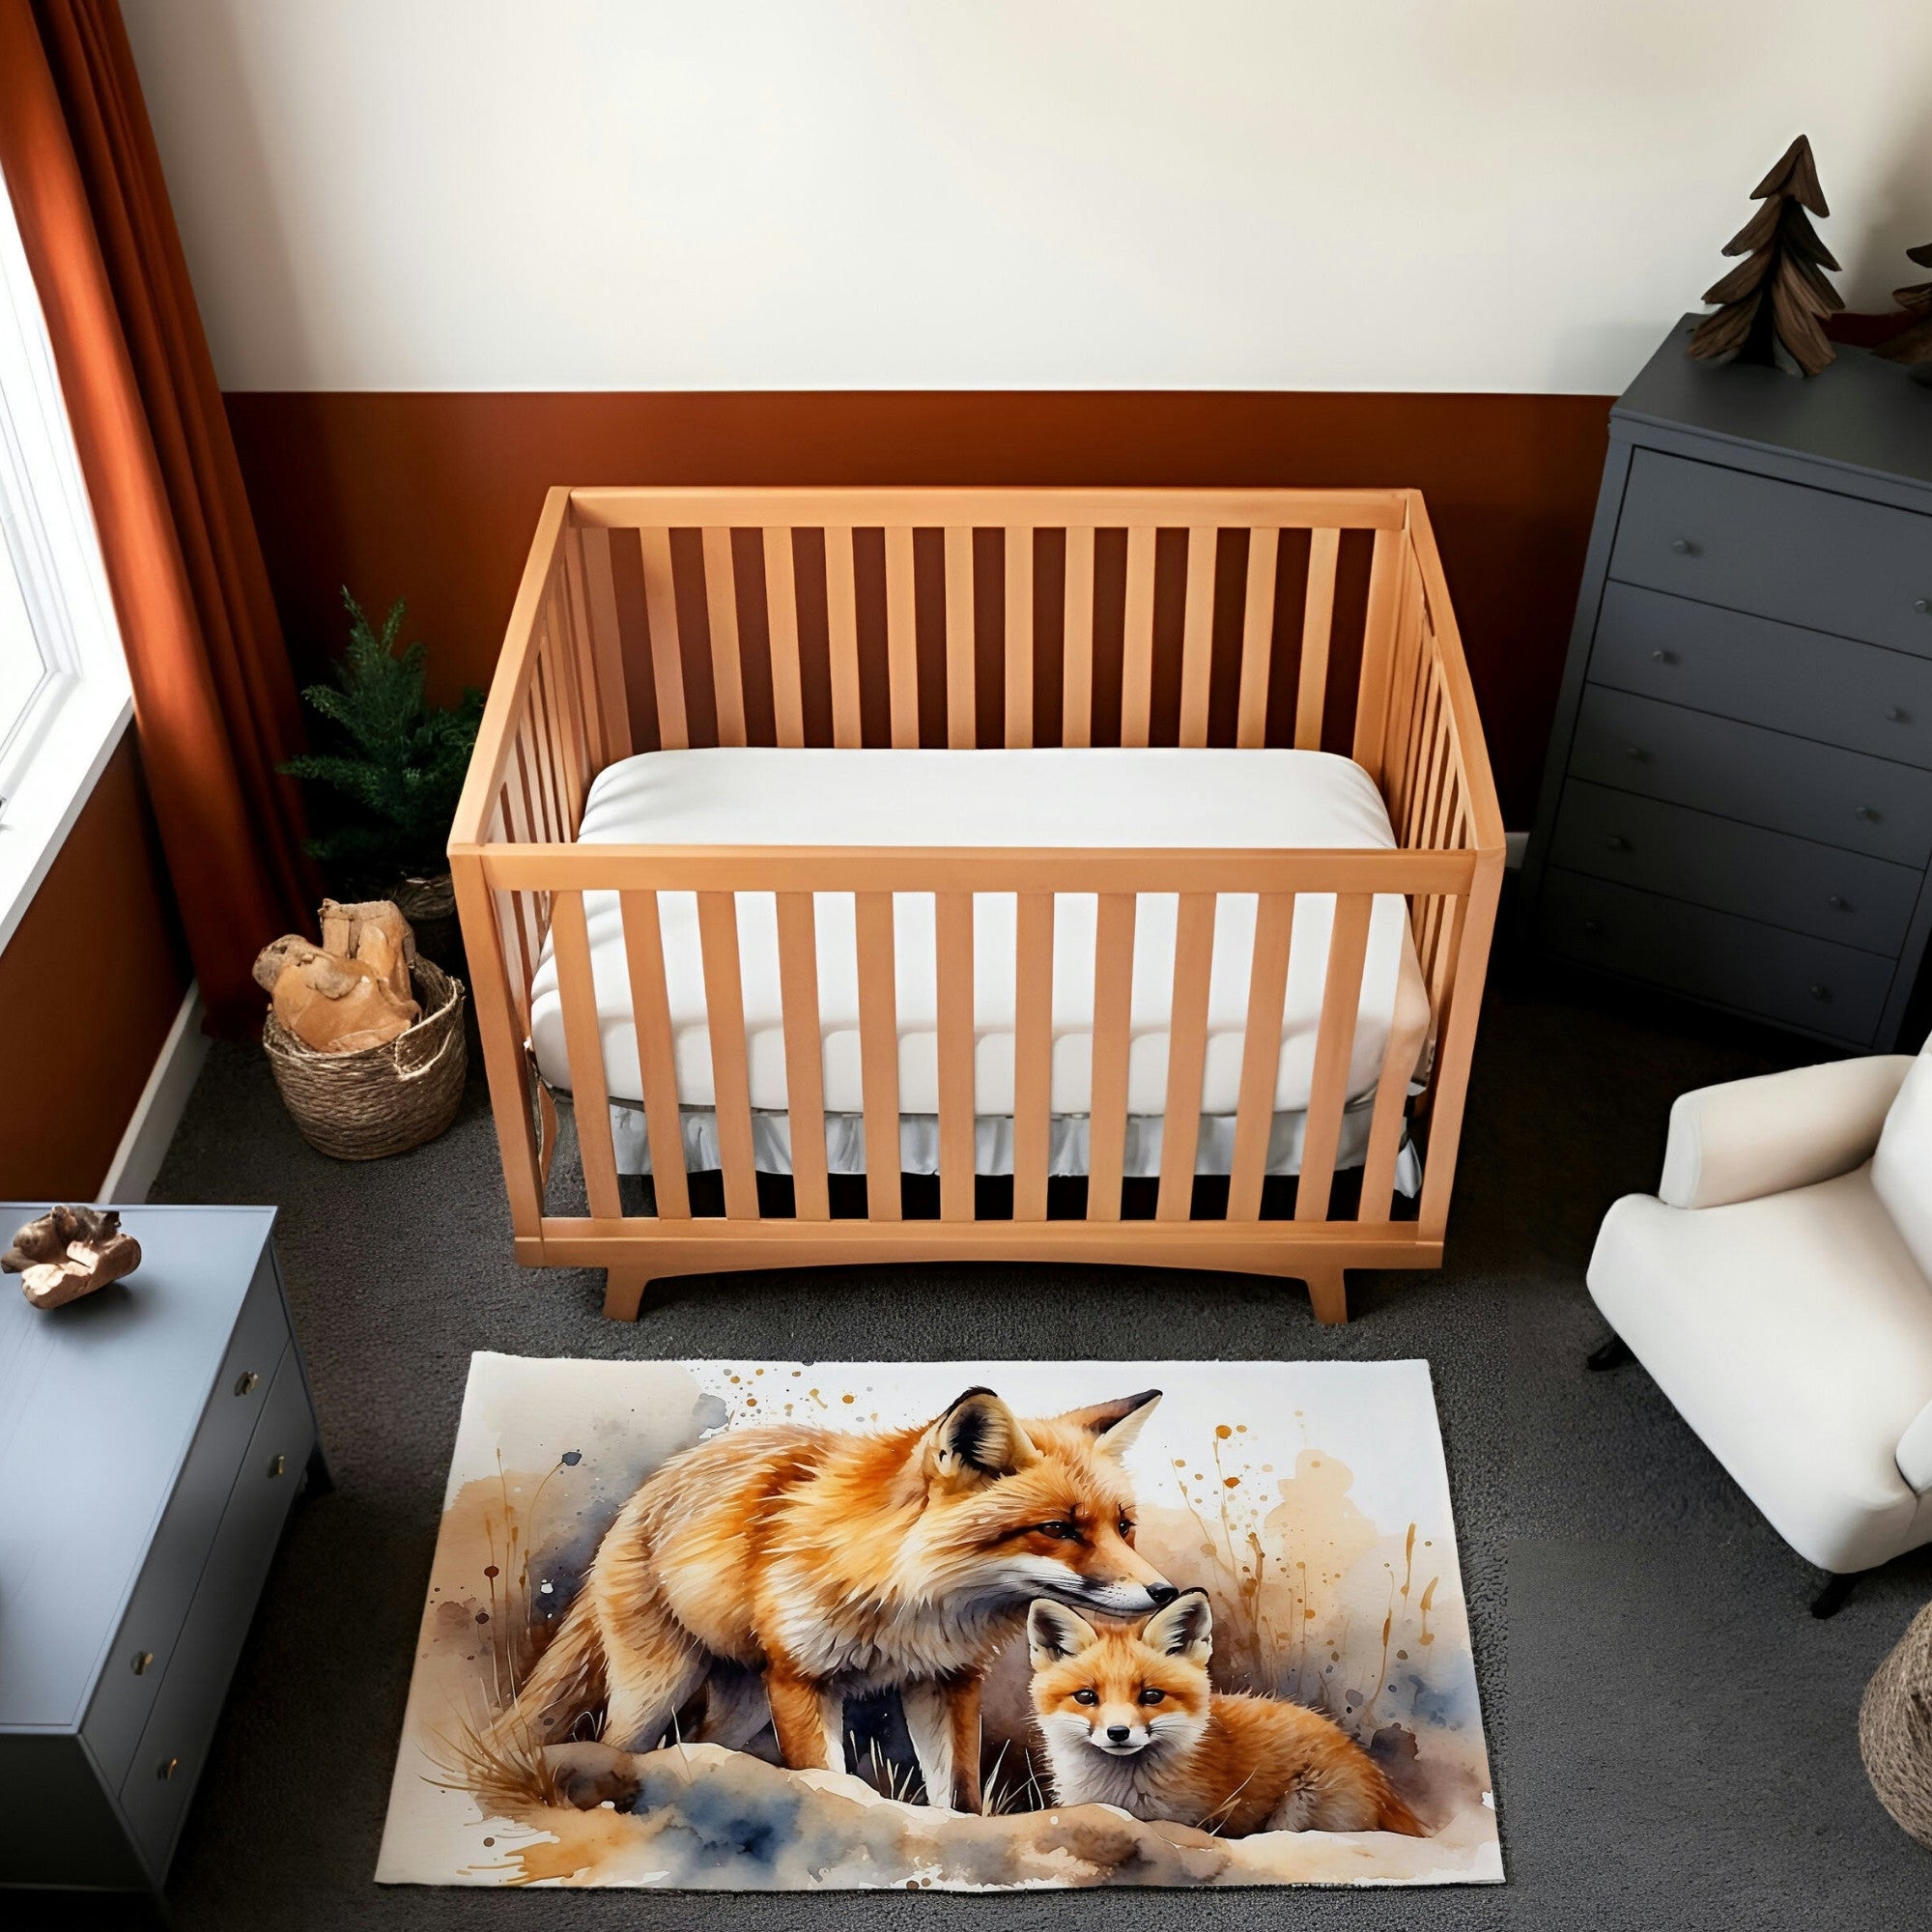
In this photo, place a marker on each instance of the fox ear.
(1114, 1424)
(978, 1436)
(1054, 1632)
(1186, 1628)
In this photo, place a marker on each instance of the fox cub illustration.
(1128, 1718)
(790, 1567)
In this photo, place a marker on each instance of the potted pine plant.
(394, 770)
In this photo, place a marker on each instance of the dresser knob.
(1663, 657)
(140, 1661)
(1637, 754)
(278, 1465)
(245, 1381)
(1867, 814)
(1896, 714)
(1593, 925)
(1683, 547)
(1616, 842)
(1924, 606)
(167, 1767)
(1836, 902)
(1821, 992)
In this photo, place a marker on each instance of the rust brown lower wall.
(434, 497)
(90, 985)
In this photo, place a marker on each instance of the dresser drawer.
(1787, 977)
(1737, 666)
(1740, 868)
(174, 1744)
(139, 1659)
(1780, 550)
(1758, 777)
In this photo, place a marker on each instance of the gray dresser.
(1738, 801)
(152, 1438)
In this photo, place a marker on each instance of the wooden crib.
(661, 618)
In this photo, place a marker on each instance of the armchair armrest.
(1915, 1451)
(1780, 1130)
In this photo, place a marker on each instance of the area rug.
(967, 1625)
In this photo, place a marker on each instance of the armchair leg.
(1831, 1599)
(1612, 1355)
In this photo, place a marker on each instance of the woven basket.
(384, 1100)
(1896, 1730)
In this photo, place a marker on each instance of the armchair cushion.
(1749, 1138)
(1902, 1166)
(1915, 1452)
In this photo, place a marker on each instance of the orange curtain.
(214, 698)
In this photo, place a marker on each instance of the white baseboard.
(157, 1112)
(1517, 844)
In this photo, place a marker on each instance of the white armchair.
(1778, 1287)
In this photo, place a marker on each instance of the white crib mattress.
(1155, 797)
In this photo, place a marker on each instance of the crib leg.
(623, 1292)
(1328, 1294)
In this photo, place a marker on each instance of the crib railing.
(663, 618)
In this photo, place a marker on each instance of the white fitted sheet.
(1101, 797)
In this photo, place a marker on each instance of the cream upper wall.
(1407, 194)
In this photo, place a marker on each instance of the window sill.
(54, 789)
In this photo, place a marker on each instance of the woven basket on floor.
(1895, 1729)
(360, 1106)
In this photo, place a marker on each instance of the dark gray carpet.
(1674, 1737)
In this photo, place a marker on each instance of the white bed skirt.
(993, 1143)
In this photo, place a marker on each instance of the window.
(63, 695)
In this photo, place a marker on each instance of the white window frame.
(80, 710)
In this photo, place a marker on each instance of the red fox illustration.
(1128, 1718)
(793, 1566)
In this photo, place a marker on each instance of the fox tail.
(1393, 1815)
(566, 1680)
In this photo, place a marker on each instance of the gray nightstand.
(152, 1438)
(1738, 801)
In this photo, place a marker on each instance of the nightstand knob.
(1896, 714)
(1821, 992)
(167, 1767)
(1683, 547)
(278, 1465)
(1616, 842)
(1635, 753)
(1867, 814)
(140, 1661)
(1924, 606)
(246, 1383)
(1663, 657)
(1836, 902)
(1593, 925)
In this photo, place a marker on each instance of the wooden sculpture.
(1912, 344)
(70, 1252)
(1773, 304)
(350, 992)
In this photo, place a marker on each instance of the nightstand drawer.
(1754, 776)
(1843, 896)
(1778, 675)
(1784, 977)
(173, 1748)
(156, 1611)
(1781, 550)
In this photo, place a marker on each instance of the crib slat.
(1186, 1055)
(1334, 1044)
(725, 1022)
(1077, 670)
(1261, 1054)
(782, 621)
(1378, 648)
(567, 694)
(574, 605)
(1137, 659)
(650, 1013)
(666, 653)
(583, 1042)
(1032, 1055)
(879, 1053)
(1019, 636)
(1318, 618)
(720, 600)
(842, 615)
(1257, 639)
(962, 728)
(1196, 636)
(606, 642)
(805, 1053)
(953, 936)
(1409, 1026)
(1113, 1016)
(522, 914)
(901, 638)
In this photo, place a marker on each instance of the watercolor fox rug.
(754, 1626)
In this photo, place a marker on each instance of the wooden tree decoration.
(1773, 302)
(1914, 343)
